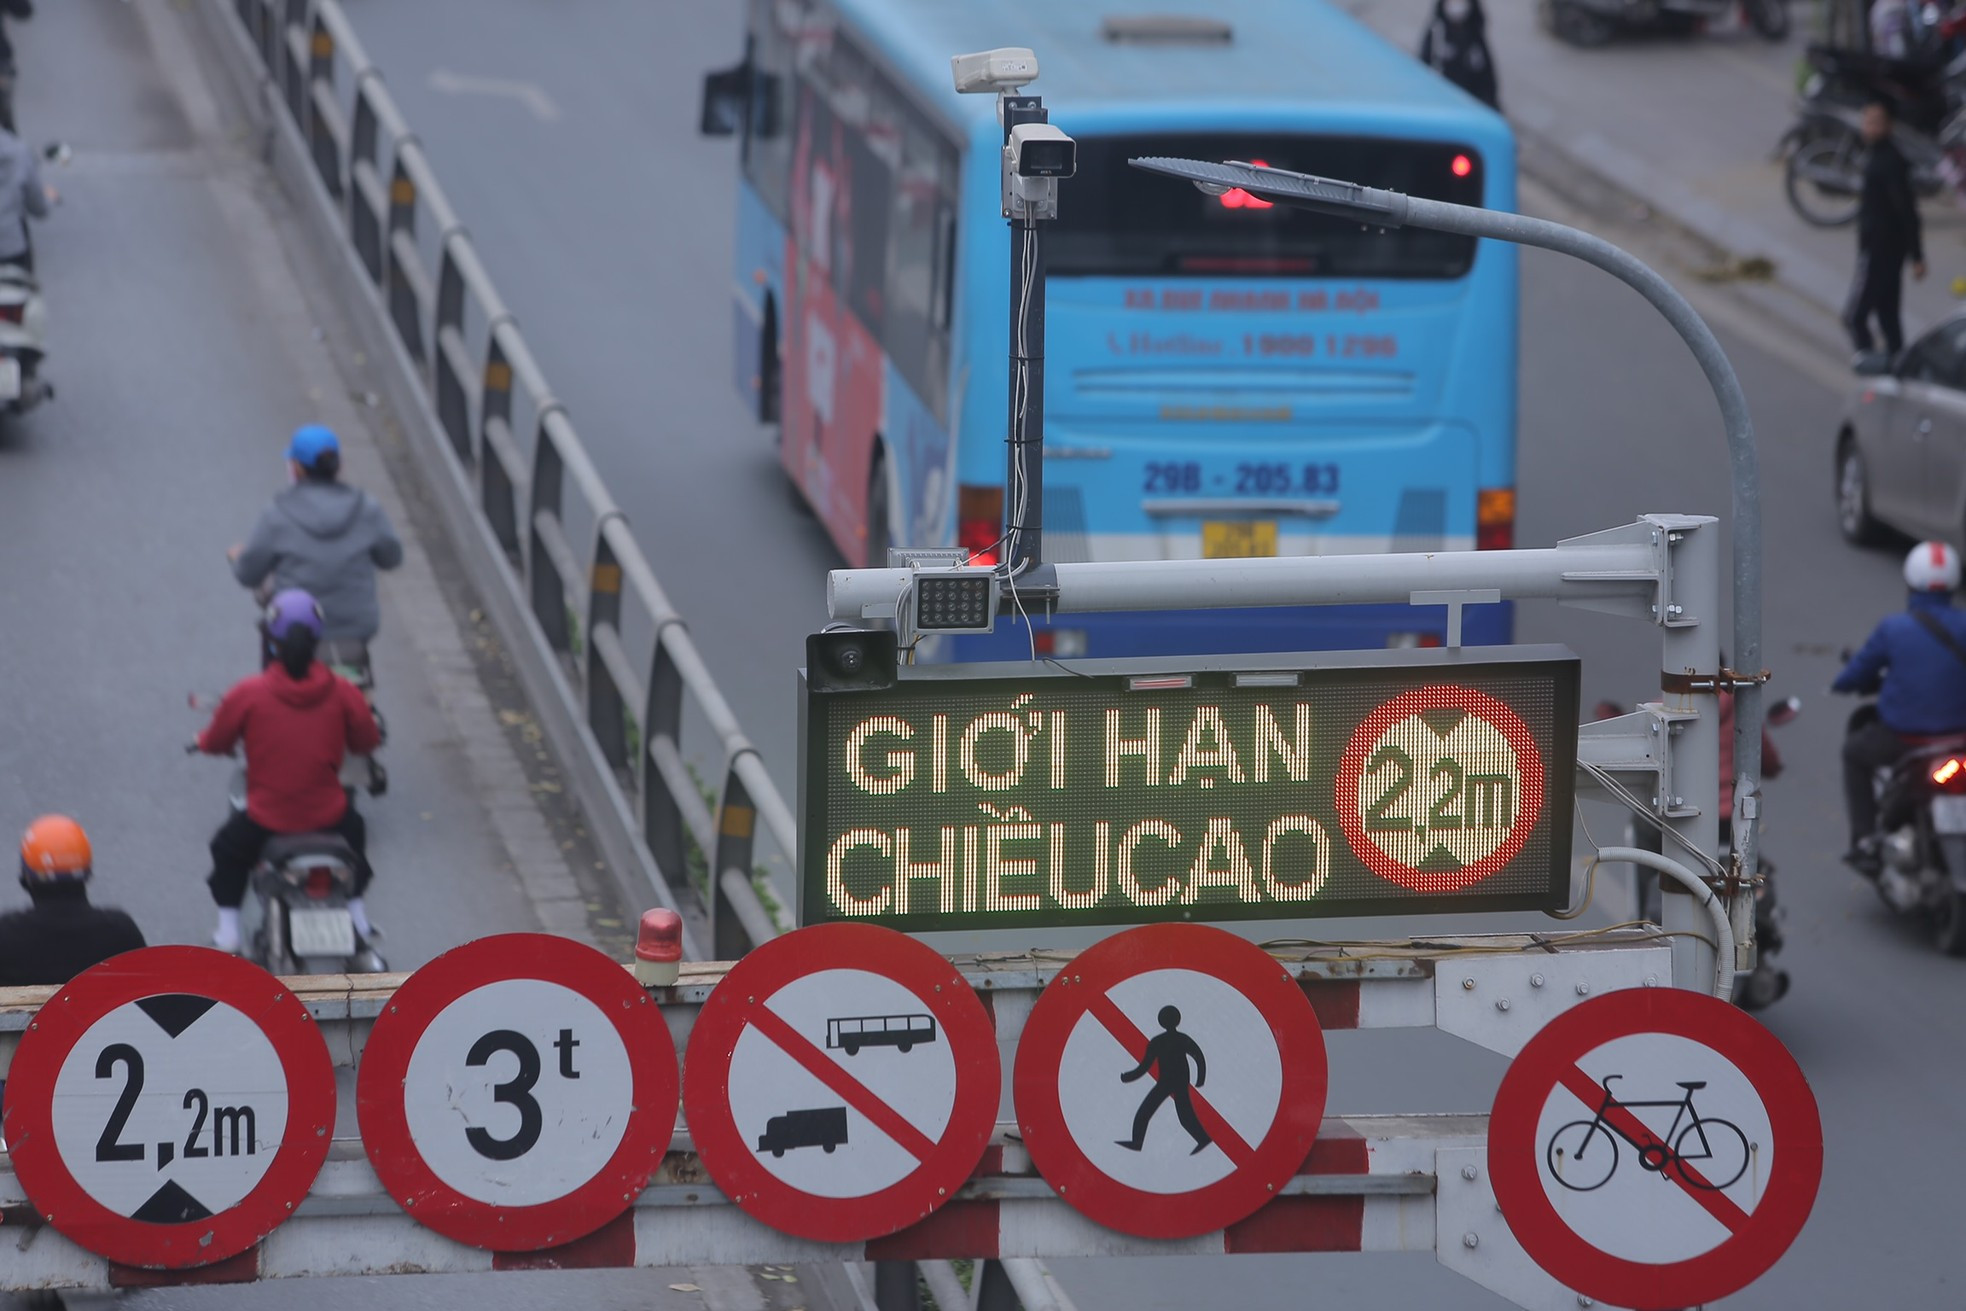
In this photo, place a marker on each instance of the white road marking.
(529, 94)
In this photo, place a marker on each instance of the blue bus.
(1224, 377)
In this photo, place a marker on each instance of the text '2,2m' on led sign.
(1257, 787)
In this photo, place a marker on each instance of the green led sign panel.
(1256, 787)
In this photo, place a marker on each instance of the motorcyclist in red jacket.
(297, 720)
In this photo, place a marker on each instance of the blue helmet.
(310, 443)
(290, 610)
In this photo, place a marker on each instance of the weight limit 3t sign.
(518, 1092)
(169, 1108)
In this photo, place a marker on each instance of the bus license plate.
(1238, 538)
(321, 932)
(1948, 813)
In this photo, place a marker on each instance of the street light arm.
(1386, 209)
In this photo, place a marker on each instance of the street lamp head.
(1381, 209)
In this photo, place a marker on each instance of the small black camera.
(843, 659)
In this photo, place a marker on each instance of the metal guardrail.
(569, 553)
(489, 396)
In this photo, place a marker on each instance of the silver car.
(1901, 449)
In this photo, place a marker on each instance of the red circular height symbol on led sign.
(1439, 788)
(1170, 1081)
(170, 1107)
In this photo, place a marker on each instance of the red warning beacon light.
(658, 948)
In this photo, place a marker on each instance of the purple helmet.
(289, 610)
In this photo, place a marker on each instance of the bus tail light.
(1495, 519)
(979, 522)
(1062, 643)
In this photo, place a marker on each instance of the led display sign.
(1254, 787)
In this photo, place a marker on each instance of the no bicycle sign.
(1655, 1148)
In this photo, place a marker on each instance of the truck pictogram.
(823, 1127)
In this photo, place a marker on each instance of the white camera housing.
(1042, 150)
(1035, 157)
(994, 72)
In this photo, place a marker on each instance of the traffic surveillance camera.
(1034, 158)
(1040, 150)
(994, 72)
(844, 659)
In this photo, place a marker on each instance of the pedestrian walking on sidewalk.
(1888, 234)
(1455, 45)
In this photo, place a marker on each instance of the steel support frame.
(1662, 568)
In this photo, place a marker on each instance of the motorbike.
(1767, 983)
(298, 920)
(23, 329)
(1921, 834)
(350, 660)
(1597, 22)
(23, 325)
(1823, 151)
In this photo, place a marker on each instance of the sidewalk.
(1687, 128)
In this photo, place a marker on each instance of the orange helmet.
(54, 850)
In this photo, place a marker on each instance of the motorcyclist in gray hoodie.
(328, 539)
(324, 537)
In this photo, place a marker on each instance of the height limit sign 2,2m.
(169, 1108)
(517, 1092)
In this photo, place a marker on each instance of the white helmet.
(1932, 567)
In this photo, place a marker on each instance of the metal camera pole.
(1392, 209)
(1024, 476)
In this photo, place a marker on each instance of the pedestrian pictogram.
(518, 1092)
(1439, 788)
(1655, 1148)
(170, 1107)
(1235, 1073)
(1167, 1057)
(841, 1082)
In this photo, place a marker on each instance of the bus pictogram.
(901, 1032)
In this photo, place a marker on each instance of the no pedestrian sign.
(518, 1092)
(1655, 1149)
(170, 1107)
(841, 1082)
(1170, 1080)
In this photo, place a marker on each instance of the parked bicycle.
(1823, 151)
(1579, 1162)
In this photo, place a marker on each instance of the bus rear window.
(1117, 221)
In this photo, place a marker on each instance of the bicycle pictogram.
(1579, 1162)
